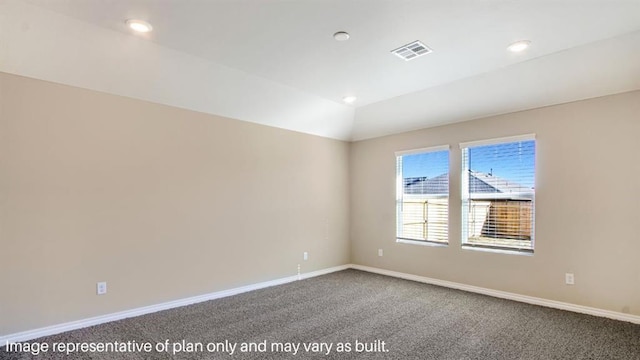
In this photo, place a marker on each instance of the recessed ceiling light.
(341, 36)
(349, 99)
(519, 46)
(139, 25)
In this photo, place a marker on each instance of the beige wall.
(587, 205)
(164, 203)
(161, 203)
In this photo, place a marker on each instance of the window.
(498, 193)
(422, 195)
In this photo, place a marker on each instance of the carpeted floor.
(359, 311)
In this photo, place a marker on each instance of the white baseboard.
(506, 295)
(73, 325)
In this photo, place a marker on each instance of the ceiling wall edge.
(593, 70)
(41, 44)
(490, 116)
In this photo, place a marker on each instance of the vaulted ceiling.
(277, 63)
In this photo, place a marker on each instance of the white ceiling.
(276, 63)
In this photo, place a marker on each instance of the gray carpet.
(414, 320)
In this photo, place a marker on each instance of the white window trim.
(422, 243)
(525, 252)
(423, 150)
(400, 192)
(464, 186)
(495, 141)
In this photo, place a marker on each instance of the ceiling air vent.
(411, 51)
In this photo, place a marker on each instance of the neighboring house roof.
(478, 183)
(482, 183)
(422, 185)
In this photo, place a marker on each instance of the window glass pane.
(498, 195)
(423, 196)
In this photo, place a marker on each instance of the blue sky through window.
(513, 161)
(430, 164)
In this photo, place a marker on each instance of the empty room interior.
(262, 179)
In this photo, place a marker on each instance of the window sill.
(422, 243)
(524, 252)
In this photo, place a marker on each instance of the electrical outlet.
(380, 253)
(305, 255)
(101, 288)
(569, 279)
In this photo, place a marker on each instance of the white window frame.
(400, 194)
(464, 187)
